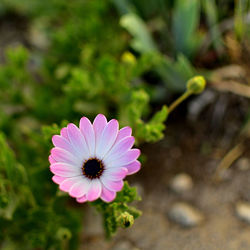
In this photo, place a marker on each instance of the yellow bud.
(63, 234)
(125, 220)
(196, 84)
(128, 58)
(62, 71)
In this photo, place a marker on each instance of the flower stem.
(179, 101)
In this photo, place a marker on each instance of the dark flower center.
(92, 168)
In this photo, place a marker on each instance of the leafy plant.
(80, 61)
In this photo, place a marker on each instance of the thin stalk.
(228, 160)
(179, 101)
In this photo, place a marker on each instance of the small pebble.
(185, 215)
(243, 164)
(243, 211)
(181, 183)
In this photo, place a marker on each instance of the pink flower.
(91, 162)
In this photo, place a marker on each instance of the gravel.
(185, 215)
(181, 183)
(243, 211)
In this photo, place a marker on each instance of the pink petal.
(107, 195)
(120, 148)
(99, 124)
(125, 159)
(69, 182)
(64, 133)
(107, 139)
(58, 179)
(112, 185)
(51, 160)
(81, 199)
(65, 170)
(61, 142)
(95, 190)
(133, 167)
(115, 174)
(61, 155)
(124, 132)
(78, 141)
(88, 133)
(80, 188)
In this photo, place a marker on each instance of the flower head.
(91, 162)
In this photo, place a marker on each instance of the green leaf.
(160, 116)
(18, 57)
(123, 6)
(7, 159)
(142, 39)
(212, 19)
(175, 73)
(152, 131)
(185, 23)
(137, 106)
(240, 12)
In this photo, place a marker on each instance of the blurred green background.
(64, 59)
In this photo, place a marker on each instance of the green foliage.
(54, 129)
(75, 77)
(153, 130)
(184, 26)
(212, 19)
(118, 213)
(21, 209)
(82, 59)
(130, 101)
(15, 71)
(40, 89)
(178, 32)
(11, 173)
(142, 40)
(175, 73)
(241, 9)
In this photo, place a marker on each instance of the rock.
(243, 211)
(181, 183)
(243, 164)
(185, 215)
